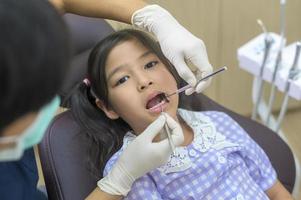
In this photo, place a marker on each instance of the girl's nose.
(144, 84)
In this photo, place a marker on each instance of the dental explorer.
(182, 89)
(171, 144)
(202, 79)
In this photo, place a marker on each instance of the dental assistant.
(34, 56)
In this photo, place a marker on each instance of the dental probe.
(202, 79)
(187, 87)
(172, 145)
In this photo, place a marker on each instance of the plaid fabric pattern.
(240, 171)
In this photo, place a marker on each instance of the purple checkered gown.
(222, 162)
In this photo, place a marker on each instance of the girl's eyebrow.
(145, 54)
(122, 66)
(115, 70)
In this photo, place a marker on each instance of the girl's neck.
(187, 131)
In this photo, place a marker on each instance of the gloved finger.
(164, 147)
(154, 128)
(175, 129)
(202, 85)
(203, 68)
(189, 91)
(184, 71)
(199, 59)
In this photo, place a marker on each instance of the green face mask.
(31, 136)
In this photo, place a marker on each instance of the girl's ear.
(109, 112)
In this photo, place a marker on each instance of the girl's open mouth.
(157, 103)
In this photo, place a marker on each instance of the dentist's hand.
(141, 156)
(178, 45)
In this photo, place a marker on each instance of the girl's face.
(135, 78)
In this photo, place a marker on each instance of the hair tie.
(87, 82)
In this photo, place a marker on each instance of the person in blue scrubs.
(33, 62)
(34, 55)
(19, 178)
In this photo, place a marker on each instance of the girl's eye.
(150, 64)
(122, 80)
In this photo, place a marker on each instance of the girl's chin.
(149, 121)
(171, 112)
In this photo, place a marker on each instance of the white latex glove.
(178, 45)
(141, 156)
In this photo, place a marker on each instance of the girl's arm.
(99, 194)
(278, 192)
(119, 10)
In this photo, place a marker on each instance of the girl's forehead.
(124, 52)
(131, 44)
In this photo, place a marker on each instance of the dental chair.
(63, 151)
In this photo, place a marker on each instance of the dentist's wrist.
(117, 182)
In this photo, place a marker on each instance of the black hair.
(105, 135)
(34, 55)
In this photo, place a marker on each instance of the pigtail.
(105, 135)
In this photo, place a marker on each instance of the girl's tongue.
(154, 101)
(160, 98)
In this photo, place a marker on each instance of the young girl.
(218, 160)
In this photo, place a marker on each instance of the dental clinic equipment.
(278, 60)
(268, 59)
(288, 58)
(268, 40)
(292, 75)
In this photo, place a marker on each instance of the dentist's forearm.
(119, 10)
(98, 194)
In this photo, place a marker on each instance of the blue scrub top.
(18, 179)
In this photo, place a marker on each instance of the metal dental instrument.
(188, 86)
(268, 43)
(278, 61)
(202, 79)
(171, 144)
(291, 75)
